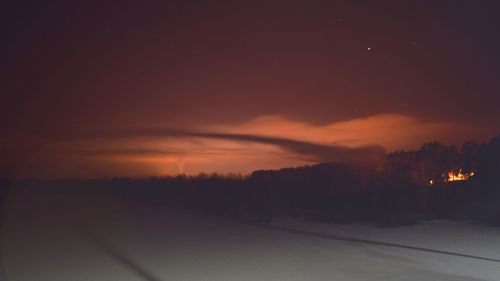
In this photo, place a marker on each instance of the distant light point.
(369, 48)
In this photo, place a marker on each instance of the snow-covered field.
(54, 235)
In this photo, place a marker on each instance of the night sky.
(137, 88)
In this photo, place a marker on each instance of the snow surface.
(52, 236)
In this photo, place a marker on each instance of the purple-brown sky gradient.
(129, 88)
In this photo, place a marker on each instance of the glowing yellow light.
(452, 176)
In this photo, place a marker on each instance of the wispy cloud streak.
(318, 152)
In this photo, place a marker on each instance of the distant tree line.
(397, 192)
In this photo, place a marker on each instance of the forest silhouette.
(407, 187)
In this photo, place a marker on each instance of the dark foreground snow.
(73, 236)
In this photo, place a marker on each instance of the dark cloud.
(318, 152)
(145, 152)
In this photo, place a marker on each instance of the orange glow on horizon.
(136, 155)
(192, 155)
